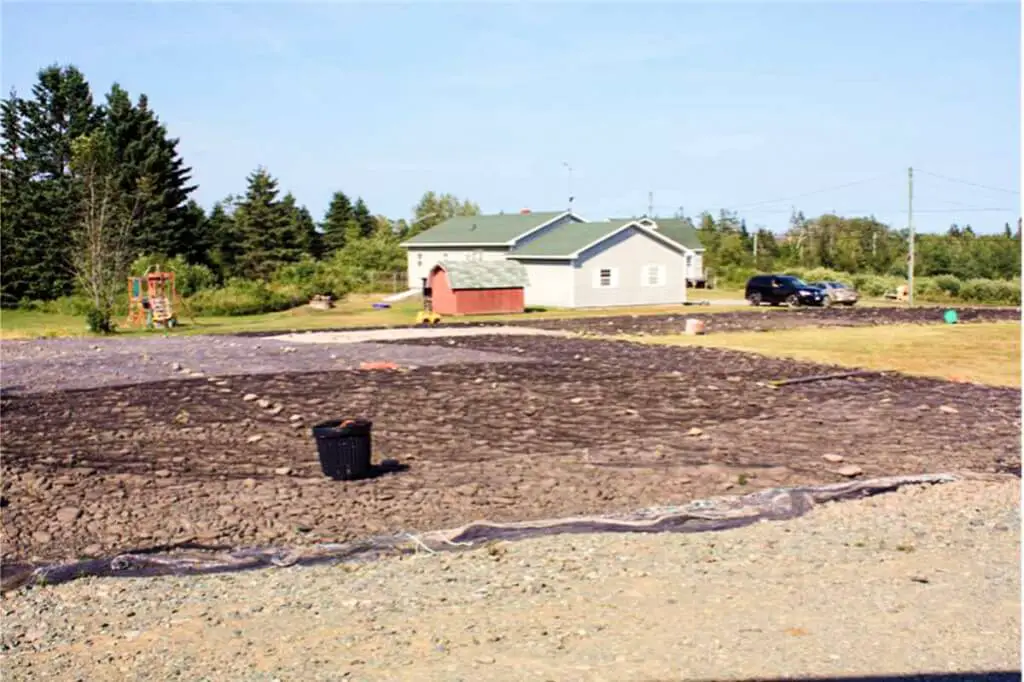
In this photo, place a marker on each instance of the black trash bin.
(344, 448)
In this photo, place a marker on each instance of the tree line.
(89, 188)
(90, 191)
(858, 245)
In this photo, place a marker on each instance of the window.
(605, 278)
(419, 259)
(689, 262)
(653, 276)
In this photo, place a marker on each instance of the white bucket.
(694, 326)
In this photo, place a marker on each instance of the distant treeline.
(93, 191)
(80, 178)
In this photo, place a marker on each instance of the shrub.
(948, 284)
(991, 291)
(188, 279)
(876, 285)
(316, 278)
(247, 297)
(100, 321)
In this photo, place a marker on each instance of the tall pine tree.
(336, 223)
(226, 243)
(15, 216)
(60, 111)
(143, 149)
(364, 219)
(264, 227)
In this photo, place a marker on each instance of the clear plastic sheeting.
(715, 514)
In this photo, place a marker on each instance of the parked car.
(838, 293)
(779, 289)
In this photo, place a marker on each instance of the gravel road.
(923, 580)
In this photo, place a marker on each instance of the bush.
(100, 321)
(245, 297)
(76, 305)
(188, 279)
(733, 276)
(991, 291)
(947, 284)
(316, 278)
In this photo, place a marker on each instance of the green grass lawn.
(987, 353)
(355, 311)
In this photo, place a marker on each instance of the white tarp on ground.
(715, 514)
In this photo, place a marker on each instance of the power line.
(977, 209)
(966, 182)
(812, 193)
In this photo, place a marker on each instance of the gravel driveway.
(923, 580)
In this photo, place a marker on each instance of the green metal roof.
(482, 229)
(565, 240)
(679, 231)
(485, 274)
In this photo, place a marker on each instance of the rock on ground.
(923, 580)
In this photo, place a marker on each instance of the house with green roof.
(570, 262)
(477, 238)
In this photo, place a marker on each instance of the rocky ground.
(571, 427)
(84, 363)
(767, 319)
(923, 580)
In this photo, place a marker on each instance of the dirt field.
(553, 427)
(748, 319)
(767, 319)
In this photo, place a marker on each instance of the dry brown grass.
(988, 353)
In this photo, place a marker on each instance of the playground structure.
(152, 299)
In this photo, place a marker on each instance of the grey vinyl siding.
(627, 255)
(551, 283)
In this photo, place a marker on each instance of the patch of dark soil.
(594, 427)
(763, 319)
(769, 319)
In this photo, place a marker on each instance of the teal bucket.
(950, 317)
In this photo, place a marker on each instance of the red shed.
(477, 287)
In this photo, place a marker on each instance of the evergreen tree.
(15, 216)
(336, 222)
(366, 222)
(222, 233)
(294, 239)
(143, 149)
(264, 227)
(60, 111)
(195, 236)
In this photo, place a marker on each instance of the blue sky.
(709, 106)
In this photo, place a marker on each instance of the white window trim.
(645, 275)
(613, 279)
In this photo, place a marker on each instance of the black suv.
(778, 289)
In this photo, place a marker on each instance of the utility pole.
(755, 246)
(910, 224)
(650, 204)
(874, 244)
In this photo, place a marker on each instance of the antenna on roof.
(650, 204)
(569, 168)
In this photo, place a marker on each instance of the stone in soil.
(588, 458)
